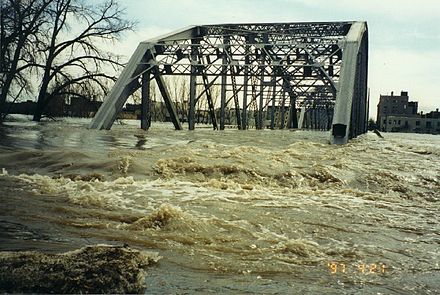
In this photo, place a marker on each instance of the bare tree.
(20, 37)
(61, 40)
(73, 55)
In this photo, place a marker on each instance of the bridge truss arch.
(282, 75)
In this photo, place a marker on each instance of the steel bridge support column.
(146, 103)
(342, 119)
(283, 109)
(167, 99)
(192, 90)
(363, 84)
(126, 84)
(244, 124)
(272, 114)
(223, 98)
(293, 120)
(223, 86)
(261, 103)
(192, 100)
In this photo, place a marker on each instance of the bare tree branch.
(60, 41)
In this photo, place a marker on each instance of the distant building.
(78, 107)
(434, 114)
(395, 113)
(394, 105)
(419, 124)
(26, 108)
(83, 107)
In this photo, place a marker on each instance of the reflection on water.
(233, 211)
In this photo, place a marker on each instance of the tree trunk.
(43, 100)
(38, 112)
(24, 28)
(10, 75)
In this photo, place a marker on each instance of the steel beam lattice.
(295, 75)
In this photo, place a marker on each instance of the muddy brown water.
(271, 212)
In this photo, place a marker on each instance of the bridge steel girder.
(146, 103)
(321, 67)
(350, 114)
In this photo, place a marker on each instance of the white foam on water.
(225, 203)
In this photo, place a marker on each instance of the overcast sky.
(404, 35)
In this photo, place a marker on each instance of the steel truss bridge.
(281, 75)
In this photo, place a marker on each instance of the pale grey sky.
(404, 35)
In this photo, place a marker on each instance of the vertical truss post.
(254, 101)
(224, 80)
(192, 88)
(233, 73)
(261, 103)
(244, 124)
(272, 114)
(235, 95)
(168, 103)
(223, 99)
(146, 103)
(192, 101)
(293, 120)
(283, 109)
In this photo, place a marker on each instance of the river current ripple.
(233, 211)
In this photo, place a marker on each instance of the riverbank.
(92, 269)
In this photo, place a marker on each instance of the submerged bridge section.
(282, 75)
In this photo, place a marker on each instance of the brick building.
(395, 113)
(394, 105)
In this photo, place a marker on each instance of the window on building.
(417, 123)
(399, 122)
(406, 123)
(389, 122)
(394, 122)
(438, 124)
(428, 124)
(385, 121)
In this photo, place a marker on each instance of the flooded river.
(274, 212)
